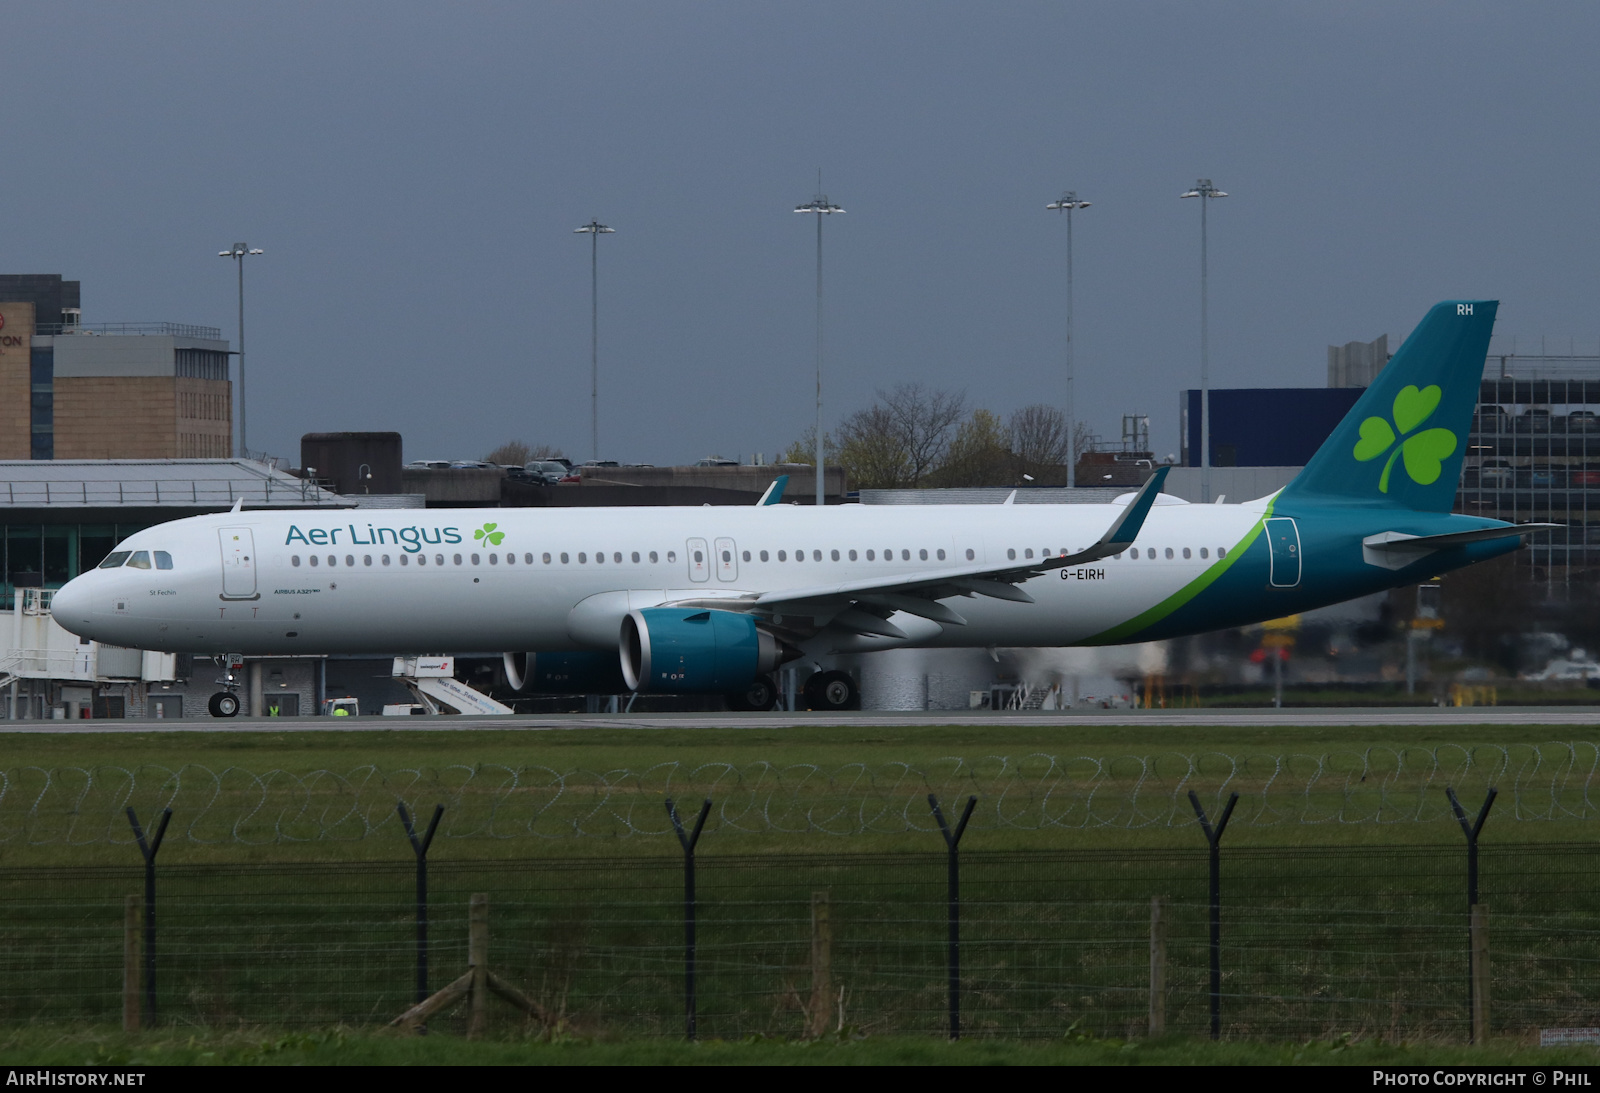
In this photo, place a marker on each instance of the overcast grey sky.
(414, 172)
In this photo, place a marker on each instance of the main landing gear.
(761, 695)
(226, 703)
(831, 692)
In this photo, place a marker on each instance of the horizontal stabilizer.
(1397, 549)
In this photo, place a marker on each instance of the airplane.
(712, 600)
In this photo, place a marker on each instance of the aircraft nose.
(70, 606)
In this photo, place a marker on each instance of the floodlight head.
(224, 254)
(258, 250)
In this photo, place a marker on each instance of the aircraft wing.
(865, 605)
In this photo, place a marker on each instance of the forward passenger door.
(699, 560)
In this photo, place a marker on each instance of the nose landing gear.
(226, 703)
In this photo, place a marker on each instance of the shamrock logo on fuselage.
(489, 535)
(1424, 452)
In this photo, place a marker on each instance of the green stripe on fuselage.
(1123, 631)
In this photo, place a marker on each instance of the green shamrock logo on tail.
(1424, 452)
(488, 534)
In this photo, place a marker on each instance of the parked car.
(429, 464)
(716, 463)
(1583, 421)
(1495, 474)
(1535, 419)
(1585, 479)
(472, 464)
(548, 471)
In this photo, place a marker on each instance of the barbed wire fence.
(1553, 781)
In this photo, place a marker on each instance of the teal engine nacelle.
(569, 673)
(689, 651)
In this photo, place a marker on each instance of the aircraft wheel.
(832, 691)
(762, 694)
(223, 704)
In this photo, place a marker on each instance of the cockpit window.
(140, 559)
(163, 559)
(115, 558)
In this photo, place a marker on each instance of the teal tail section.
(1402, 443)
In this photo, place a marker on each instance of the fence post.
(1214, 841)
(1158, 967)
(952, 842)
(1477, 969)
(821, 964)
(420, 848)
(478, 962)
(130, 964)
(688, 840)
(149, 848)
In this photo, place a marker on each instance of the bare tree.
(921, 422)
(1039, 439)
(871, 452)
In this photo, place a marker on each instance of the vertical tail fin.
(1402, 443)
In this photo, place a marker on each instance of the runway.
(1066, 720)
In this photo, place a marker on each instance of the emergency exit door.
(1283, 540)
(238, 563)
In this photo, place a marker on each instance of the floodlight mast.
(821, 206)
(1068, 204)
(594, 229)
(238, 252)
(1205, 191)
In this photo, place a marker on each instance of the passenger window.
(163, 560)
(564, 558)
(888, 555)
(652, 556)
(350, 560)
(616, 556)
(1186, 553)
(294, 560)
(583, 559)
(405, 559)
(799, 555)
(1132, 553)
(835, 555)
(872, 555)
(457, 559)
(747, 555)
(1203, 552)
(140, 559)
(1222, 552)
(385, 559)
(635, 557)
(672, 556)
(115, 559)
(905, 555)
(333, 559)
(494, 559)
(475, 559)
(599, 557)
(1028, 553)
(366, 559)
(941, 554)
(312, 559)
(852, 555)
(527, 559)
(923, 554)
(1169, 552)
(783, 556)
(970, 555)
(438, 559)
(763, 555)
(1011, 553)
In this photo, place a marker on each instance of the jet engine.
(687, 651)
(571, 673)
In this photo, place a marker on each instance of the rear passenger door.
(727, 560)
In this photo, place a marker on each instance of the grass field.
(771, 787)
(348, 1047)
(1332, 928)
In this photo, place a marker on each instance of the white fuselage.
(457, 580)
